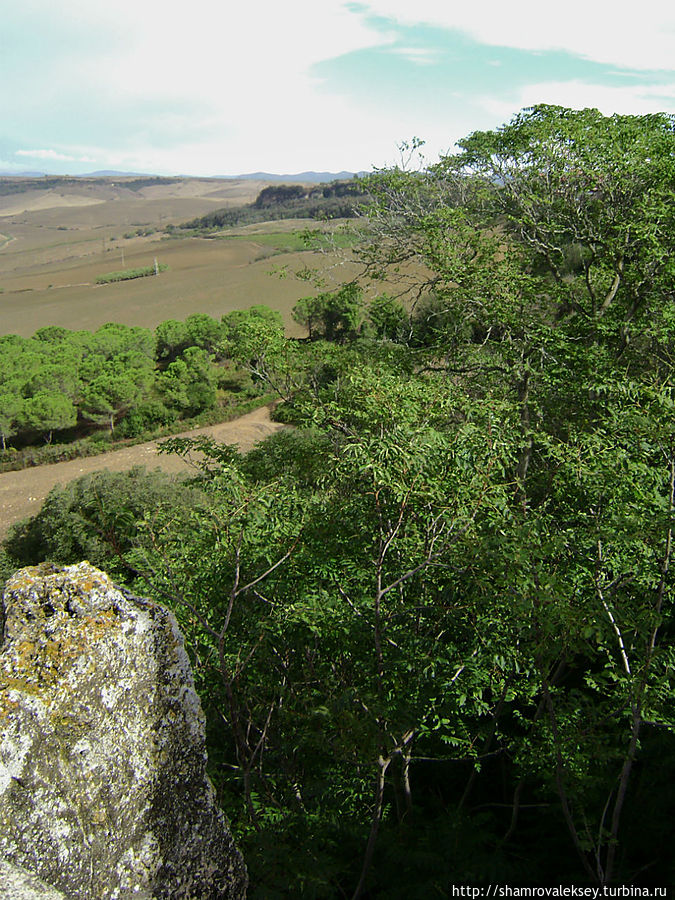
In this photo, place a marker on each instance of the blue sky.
(227, 87)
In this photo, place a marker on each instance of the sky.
(227, 87)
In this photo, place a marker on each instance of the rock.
(103, 787)
(18, 884)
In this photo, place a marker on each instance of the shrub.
(145, 417)
(129, 274)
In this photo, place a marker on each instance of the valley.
(55, 243)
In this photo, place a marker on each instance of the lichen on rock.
(18, 884)
(103, 787)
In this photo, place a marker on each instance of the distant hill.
(339, 199)
(13, 184)
(113, 173)
(307, 177)
(8, 174)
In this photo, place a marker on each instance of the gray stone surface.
(18, 884)
(103, 791)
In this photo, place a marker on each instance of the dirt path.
(6, 240)
(22, 493)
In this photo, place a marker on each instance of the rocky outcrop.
(18, 884)
(103, 789)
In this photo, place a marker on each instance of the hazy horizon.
(111, 173)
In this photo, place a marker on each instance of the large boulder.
(103, 787)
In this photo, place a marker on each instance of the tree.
(438, 616)
(204, 332)
(47, 411)
(107, 396)
(589, 196)
(389, 319)
(57, 377)
(98, 517)
(114, 339)
(548, 245)
(239, 318)
(171, 339)
(123, 381)
(11, 407)
(189, 383)
(308, 312)
(335, 315)
(36, 394)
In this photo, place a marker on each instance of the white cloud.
(624, 34)
(637, 99)
(225, 88)
(53, 156)
(421, 56)
(236, 78)
(316, 133)
(217, 51)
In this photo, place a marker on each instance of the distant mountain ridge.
(315, 177)
(308, 177)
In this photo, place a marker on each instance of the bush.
(233, 381)
(302, 454)
(287, 414)
(129, 274)
(95, 517)
(145, 417)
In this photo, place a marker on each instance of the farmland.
(56, 241)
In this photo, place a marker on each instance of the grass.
(296, 241)
(283, 242)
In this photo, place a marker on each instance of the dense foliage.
(432, 625)
(127, 379)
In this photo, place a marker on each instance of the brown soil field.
(126, 196)
(22, 493)
(55, 243)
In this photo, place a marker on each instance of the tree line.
(432, 624)
(337, 200)
(127, 379)
(131, 379)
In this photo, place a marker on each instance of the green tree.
(11, 407)
(204, 332)
(47, 411)
(389, 319)
(171, 339)
(335, 315)
(98, 517)
(308, 312)
(60, 377)
(239, 318)
(437, 617)
(123, 381)
(189, 383)
(569, 180)
(548, 244)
